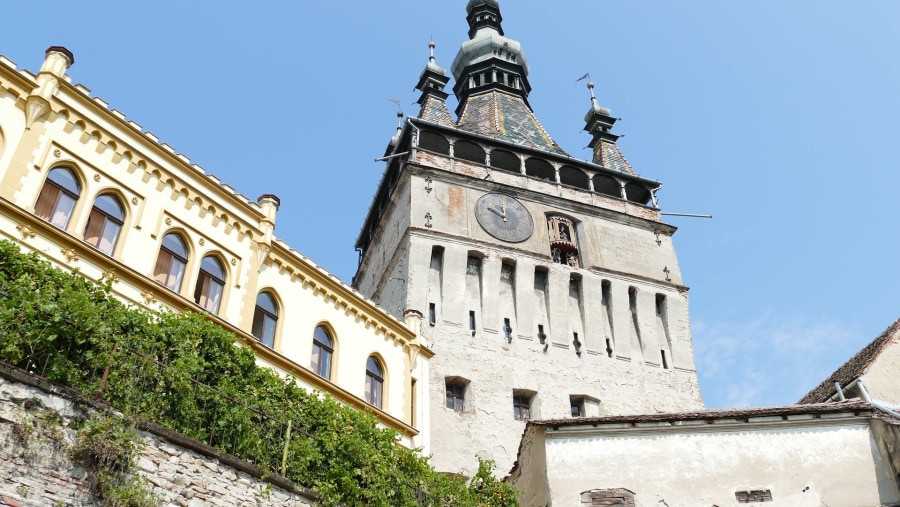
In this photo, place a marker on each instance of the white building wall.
(832, 463)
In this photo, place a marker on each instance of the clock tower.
(548, 287)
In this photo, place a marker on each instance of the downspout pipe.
(879, 406)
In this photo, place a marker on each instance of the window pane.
(213, 296)
(372, 366)
(109, 237)
(46, 202)
(212, 266)
(174, 244)
(94, 228)
(62, 211)
(321, 336)
(110, 205)
(265, 301)
(161, 271)
(64, 178)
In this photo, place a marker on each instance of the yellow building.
(92, 191)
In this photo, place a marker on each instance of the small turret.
(57, 61)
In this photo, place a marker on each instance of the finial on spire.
(431, 46)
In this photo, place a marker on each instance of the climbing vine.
(185, 373)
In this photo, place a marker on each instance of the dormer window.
(563, 243)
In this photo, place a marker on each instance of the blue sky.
(778, 118)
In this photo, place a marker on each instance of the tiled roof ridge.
(854, 368)
(730, 413)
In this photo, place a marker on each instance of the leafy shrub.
(186, 373)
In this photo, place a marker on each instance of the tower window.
(522, 405)
(507, 330)
(472, 321)
(455, 394)
(432, 314)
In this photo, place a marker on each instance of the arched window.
(58, 197)
(374, 382)
(210, 284)
(323, 350)
(537, 168)
(171, 261)
(506, 161)
(469, 151)
(104, 223)
(434, 142)
(575, 177)
(265, 319)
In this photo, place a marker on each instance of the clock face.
(504, 218)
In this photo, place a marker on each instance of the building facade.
(92, 191)
(549, 286)
(838, 454)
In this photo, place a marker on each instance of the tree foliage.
(188, 374)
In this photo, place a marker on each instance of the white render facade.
(584, 314)
(840, 455)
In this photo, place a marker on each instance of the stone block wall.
(35, 470)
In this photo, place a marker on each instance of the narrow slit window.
(432, 314)
(507, 330)
(472, 321)
(542, 337)
(665, 363)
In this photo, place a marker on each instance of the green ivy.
(186, 373)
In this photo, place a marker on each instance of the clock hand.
(495, 210)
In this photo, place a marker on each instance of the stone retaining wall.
(35, 470)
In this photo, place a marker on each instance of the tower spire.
(431, 83)
(489, 60)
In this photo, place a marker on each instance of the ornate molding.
(149, 297)
(26, 231)
(111, 276)
(71, 255)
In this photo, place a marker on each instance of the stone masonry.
(35, 470)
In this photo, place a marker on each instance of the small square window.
(522, 408)
(456, 395)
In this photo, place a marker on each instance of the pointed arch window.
(323, 351)
(171, 261)
(265, 319)
(105, 223)
(374, 382)
(58, 197)
(210, 284)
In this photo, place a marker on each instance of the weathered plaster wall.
(813, 463)
(624, 251)
(881, 378)
(36, 472)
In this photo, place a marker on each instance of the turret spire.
(431, 83)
